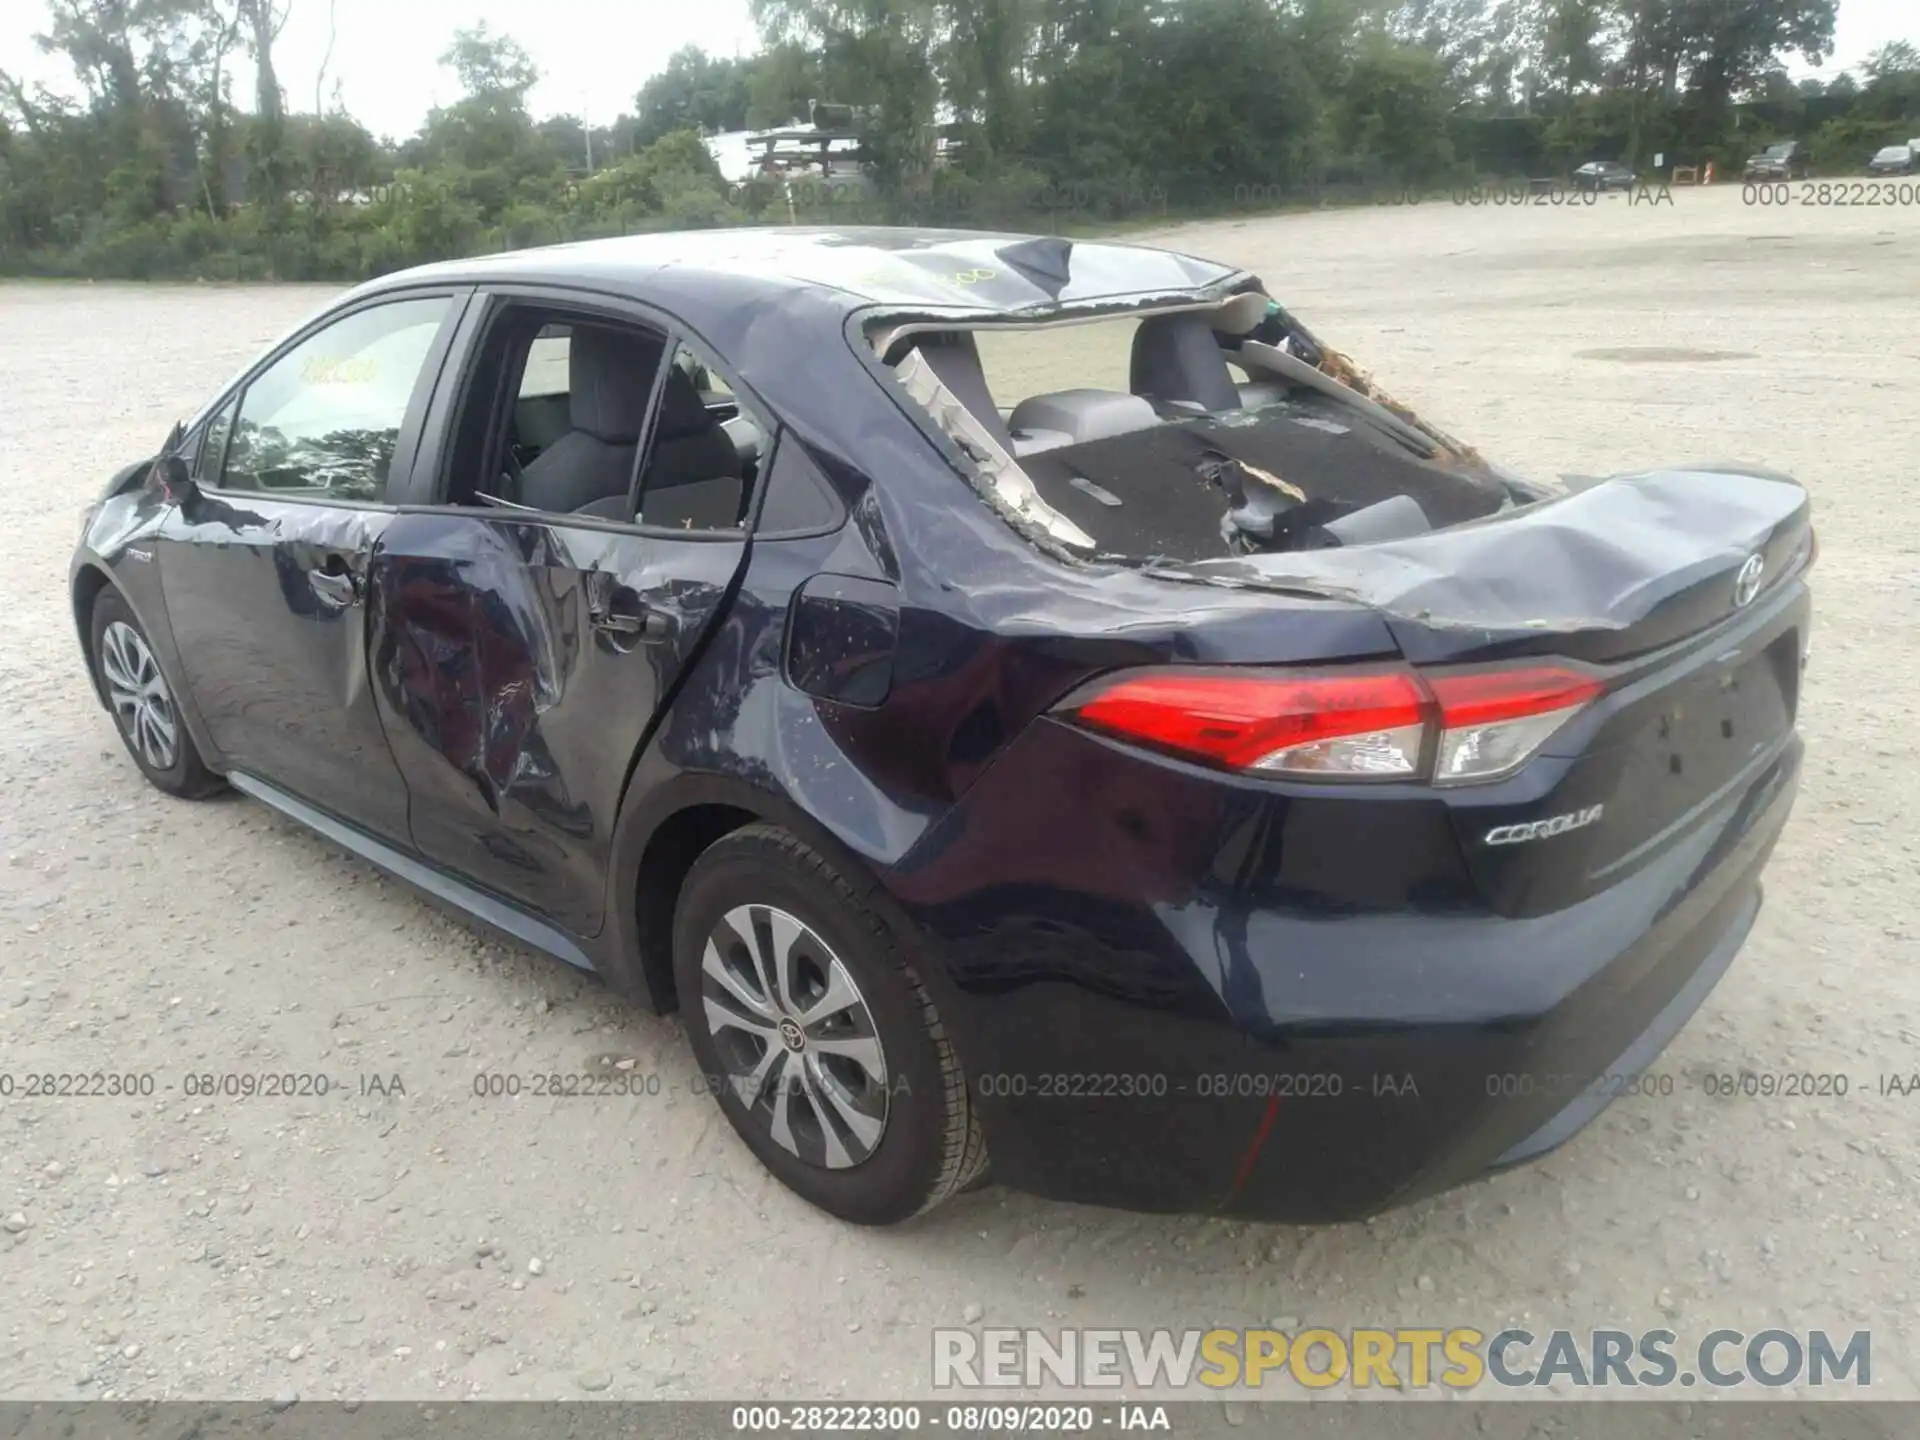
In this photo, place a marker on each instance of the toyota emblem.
(1746, 584)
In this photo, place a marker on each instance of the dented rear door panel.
(519, 663)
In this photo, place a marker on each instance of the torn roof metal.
(982, 271)
(783, 306)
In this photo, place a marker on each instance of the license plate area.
(1695, 736)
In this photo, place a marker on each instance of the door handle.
(339, 588)
(634, 625)
(617, 612)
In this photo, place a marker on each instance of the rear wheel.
(815, 1034)
(144, 710)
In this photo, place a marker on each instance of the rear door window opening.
(1187, 432)
(581, 414)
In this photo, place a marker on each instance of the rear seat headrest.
(1084, 414)
(1175, 357)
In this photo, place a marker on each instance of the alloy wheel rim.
(800, 1047)
(138, 692)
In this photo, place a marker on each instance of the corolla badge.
(1746, 584)
(1541, 829)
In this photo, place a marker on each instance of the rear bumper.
(1639, 1057)
(1149, 1042)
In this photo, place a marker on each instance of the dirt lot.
(436, 1244)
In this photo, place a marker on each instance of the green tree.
(694, 92)
(1895, 60)
(790, 73)
(217, 148)
(1102, 105)
(1392, 111)
(133, 58)
(1892, 90)
(1571, 45)
(485, 148)
(985, 63)
(264, 19)
(494, 68)
(872, 53)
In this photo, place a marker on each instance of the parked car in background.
(1894, 160)
(1784, 160)
(1604, 175)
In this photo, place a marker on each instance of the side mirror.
(171, 477)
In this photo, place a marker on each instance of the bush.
(1844, 146)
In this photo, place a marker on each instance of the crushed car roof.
(972, 270)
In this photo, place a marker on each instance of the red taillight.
(1359, 724)
(1486, 697)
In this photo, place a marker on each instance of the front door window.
(322, 421)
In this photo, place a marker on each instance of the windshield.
(1892, 152)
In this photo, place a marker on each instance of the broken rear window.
(1185, 433)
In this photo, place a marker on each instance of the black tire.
(930, 1146)
(187, 775)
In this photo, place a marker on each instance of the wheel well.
(87, 586)
(670, 853)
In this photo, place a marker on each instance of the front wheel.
(144, 710)
(815, 1034)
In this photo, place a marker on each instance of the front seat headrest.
(609, 380)
(1175, 357)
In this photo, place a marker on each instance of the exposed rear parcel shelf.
(1309, 478)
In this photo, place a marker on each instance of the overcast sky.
(594, 54)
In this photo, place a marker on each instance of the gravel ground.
(434, 1244)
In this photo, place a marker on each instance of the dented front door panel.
(519, 663)
(266, 602)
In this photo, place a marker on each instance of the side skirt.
(477, 904)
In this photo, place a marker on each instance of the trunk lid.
(1618, 568)
(1682, 589)
(1680, 750)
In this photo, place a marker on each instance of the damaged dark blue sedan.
(1025, 702)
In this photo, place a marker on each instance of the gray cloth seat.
(609, 379)
(694, 477)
